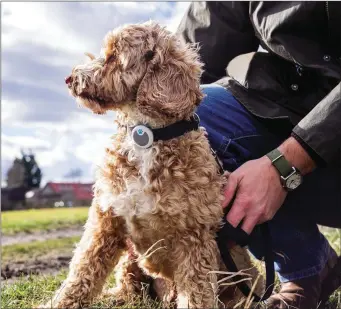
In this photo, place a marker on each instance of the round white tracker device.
(142, 136)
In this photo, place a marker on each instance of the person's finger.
(204, 130)
(236, 214)
(249, 224)
(265, 218)
(230, 190)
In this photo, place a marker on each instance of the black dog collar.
(144, 136)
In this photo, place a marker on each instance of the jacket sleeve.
(320, 130)
(223, 31)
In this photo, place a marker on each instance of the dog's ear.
(171, 85)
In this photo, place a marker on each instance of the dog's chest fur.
(134, 200)
(172, 187)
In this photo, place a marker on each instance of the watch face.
(293, 181)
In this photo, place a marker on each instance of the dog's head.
(142, 66)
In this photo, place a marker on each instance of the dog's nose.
(68, 80)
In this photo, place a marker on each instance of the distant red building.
(59, 194)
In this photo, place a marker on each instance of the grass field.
(34, 290)
(334, 237)
(31, 290)
(37, 249)
(34, 220)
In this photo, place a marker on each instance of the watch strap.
(280, 163)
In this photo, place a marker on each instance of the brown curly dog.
(165, 199)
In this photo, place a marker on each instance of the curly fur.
(166, 199)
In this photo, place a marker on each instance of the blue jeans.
(238, 136)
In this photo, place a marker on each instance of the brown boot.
(304, 293)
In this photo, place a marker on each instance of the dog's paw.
(118, 295)
(165, 291)
(48, 305)
(61, 304)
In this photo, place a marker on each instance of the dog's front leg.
(99, 250)
(130, 279)
(195, 279)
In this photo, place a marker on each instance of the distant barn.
(64, 194)
(60, 194)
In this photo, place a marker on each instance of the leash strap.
(228, 232)
(223, 235)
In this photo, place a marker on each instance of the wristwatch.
(291, 178)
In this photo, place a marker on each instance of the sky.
(41, 42)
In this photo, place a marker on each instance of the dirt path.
(47, 265)
(24, 237)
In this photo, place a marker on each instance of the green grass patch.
(334, 237)
(334, 301)
(35, 290)
(31, 291)
(136, 303)
(33, 220)
(36, 249)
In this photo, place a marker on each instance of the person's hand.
(259, 194)
(258, 189)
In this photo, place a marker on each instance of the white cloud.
(179, 11)
(35, 22)
(11, 109)
(92, 148)
(25, 141)
(41, 42)
(8, 152)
